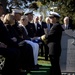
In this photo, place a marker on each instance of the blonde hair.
(8, 19)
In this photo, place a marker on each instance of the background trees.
(64, 7)
(67, 8)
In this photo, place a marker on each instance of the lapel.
(38, 26)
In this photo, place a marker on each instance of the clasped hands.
(43, 38)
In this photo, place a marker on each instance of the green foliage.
(54, 0)
(33, 6)
(64, 7)
(44, 2)
(48, 0)
(67, 8)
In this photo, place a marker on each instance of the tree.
(9, 4)
(64, 7)
(54, 0)
(33, 6)
(4, 2)
(67, 8)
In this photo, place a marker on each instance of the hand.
(21, 43)
(14, 39)
(2, 45)
(43, 37)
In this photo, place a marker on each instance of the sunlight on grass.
(39, 71)
(42, 61)
(43, 68)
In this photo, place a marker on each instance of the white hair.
(46, 19)
(66, 18)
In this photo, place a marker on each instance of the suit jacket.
(70, 26)
(24, 33)
(38, 28)
(49, 27)
(43, 26)
(31, 29)
(54, 40)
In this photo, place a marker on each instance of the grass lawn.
(44, 69)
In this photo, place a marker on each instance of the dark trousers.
(42, 44)
(12, 59)
(42, 49)
(55, 67)
(46, 50)
(27, 59)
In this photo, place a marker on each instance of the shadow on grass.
(43, 70)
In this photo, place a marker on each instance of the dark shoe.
(28, 71)
(36, 67)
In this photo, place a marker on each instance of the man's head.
(29, 14)
(54, 14)
(54, 17)
(36, 19)
(17, 13)
(40, 17)
(66, 20)
(47, 20)
(1, 9)
(24, 20)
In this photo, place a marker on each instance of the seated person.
(23, 22)
(27, 60)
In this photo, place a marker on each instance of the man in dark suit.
(38, 27)
(41, 28)
(43, 25)
(54, 43)
(67, 23)
(30, 27)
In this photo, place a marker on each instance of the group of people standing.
(20, 37)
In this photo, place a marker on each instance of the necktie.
(66, 27)
(48, 26)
